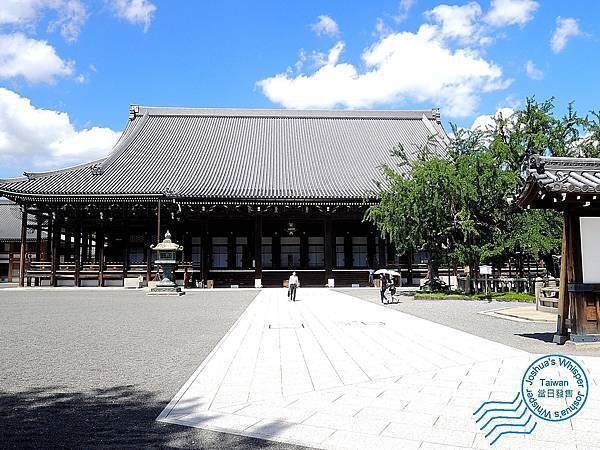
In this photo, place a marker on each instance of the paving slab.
(334, 371)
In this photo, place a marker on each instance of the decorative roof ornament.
(134, 111)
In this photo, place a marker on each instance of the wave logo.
(553, 388)
(497, 418)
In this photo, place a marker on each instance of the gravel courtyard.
(91, 368)
(464, 315)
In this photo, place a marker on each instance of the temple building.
(250, 194)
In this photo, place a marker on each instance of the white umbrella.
(381, 271)
(394, 273)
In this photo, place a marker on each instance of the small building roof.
(553, 181)
(10, 222)
(203, 154)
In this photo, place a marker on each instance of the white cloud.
(70, 15)
(487, 121)
(403, 66)
(457, 22)
(135, 11)
(36, 61)
(403, 9)
(533, 72)
(37, 138)
(511, 12)
(325, 25)
(566, 28)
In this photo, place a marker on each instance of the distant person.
(293, 284)
(371, 273)
(383, 288)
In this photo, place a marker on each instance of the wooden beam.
(23, 246)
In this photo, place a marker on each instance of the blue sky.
(70, 68)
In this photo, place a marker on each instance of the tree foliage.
(460, 205)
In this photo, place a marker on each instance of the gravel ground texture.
(93, 369)
(464, 315)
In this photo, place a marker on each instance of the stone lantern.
(167, 258)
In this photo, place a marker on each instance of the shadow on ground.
(117, 417)
(544, 337)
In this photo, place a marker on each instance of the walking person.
(293, 284)
(383, 288)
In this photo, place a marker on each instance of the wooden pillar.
(204, 247)
(55, 244)
(77, 254)
(125, 257)
(567, 275)
(148, 252)
(258, 231)
(11, 261)
(48, 253)
(38, 245)
(100, 253)
(23, 246)
(158, 212)
(328, 248)
(85, 242)
(38, 239)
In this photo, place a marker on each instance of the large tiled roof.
(243, 154)
(10, 222)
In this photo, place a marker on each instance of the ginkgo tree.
(459, 203)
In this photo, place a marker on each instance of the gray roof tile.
(243, 153)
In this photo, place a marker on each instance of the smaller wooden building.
(10, 242)
(572, 185)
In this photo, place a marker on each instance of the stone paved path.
(333, 371)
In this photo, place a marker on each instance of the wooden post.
(55, 243)
(126, 239)
(158, 239)
(566, 267)
(100, 253)
(204, 247)
(328, 247)
(77, 254)
(11, 261)
(148, 251)
(258, 226)
(38, 245)
(23, 246)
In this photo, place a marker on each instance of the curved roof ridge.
(121, 145)
(34, 175)
(416, 114)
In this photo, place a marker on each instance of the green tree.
(460, 204)
(416, 210)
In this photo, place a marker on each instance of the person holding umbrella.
(383, 288)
